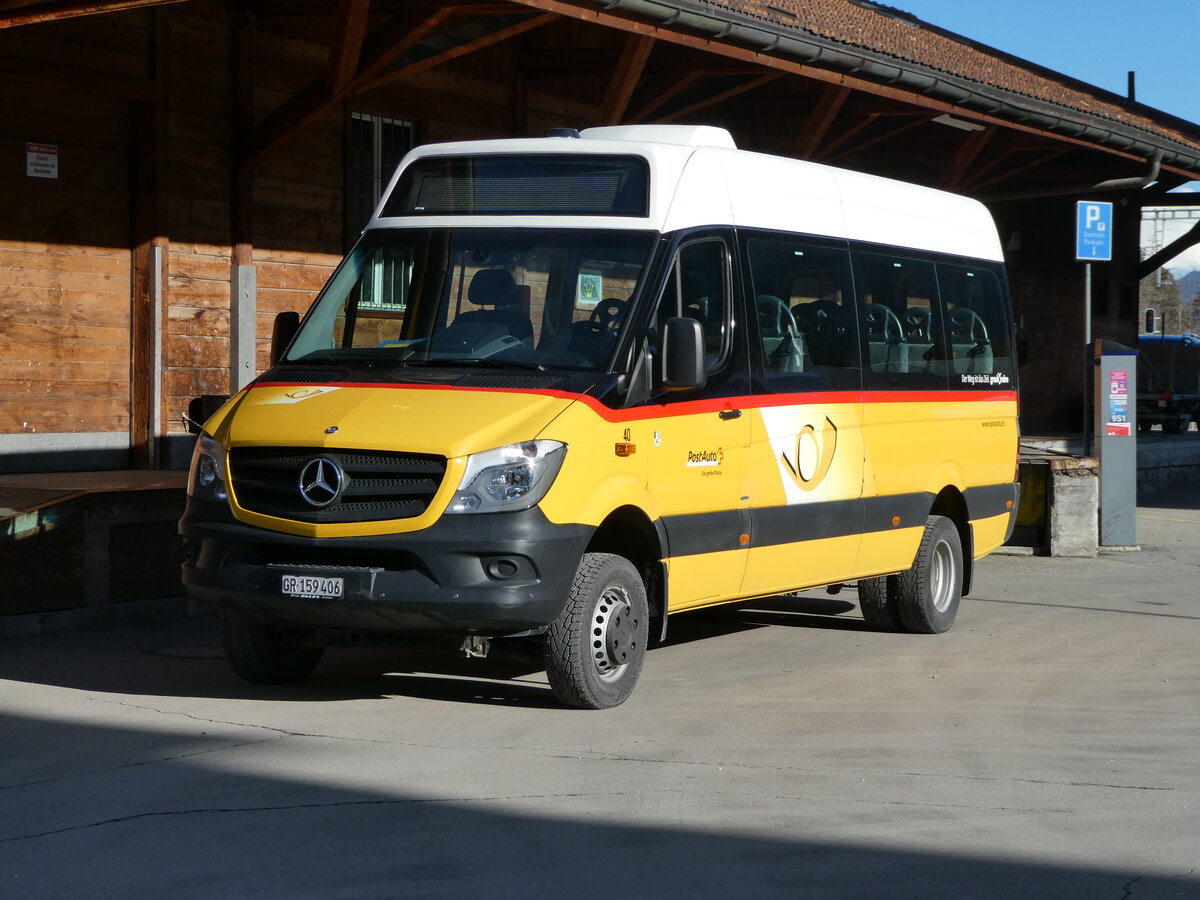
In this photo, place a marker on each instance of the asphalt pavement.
(1047, 746)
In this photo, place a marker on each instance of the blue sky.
(1098, 41)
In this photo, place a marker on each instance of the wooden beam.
(966, 154)
(833, 97)
(975, 186)
(629, 71)
(349, 30)
(1188, 239)
(878, 139)
(661, 98)
(33, 14)
(865, 122)
(319, 96)
(718, 98)
(148, 253)
(487, 40)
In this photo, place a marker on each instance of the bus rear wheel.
(926, 596)
(877, 605)
(595, 650)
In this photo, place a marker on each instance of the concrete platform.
(82, 549)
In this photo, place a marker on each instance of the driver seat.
(508, 300)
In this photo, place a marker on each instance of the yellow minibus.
(564, 387)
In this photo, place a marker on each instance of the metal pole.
(1087, 356)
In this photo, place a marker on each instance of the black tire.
(259, 654)
(594, 652)
(877, 608)
(927, 595)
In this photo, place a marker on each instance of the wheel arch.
(951, 503)
(627, 531)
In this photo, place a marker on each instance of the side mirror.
(201, 409)
(681, 367)
(285, 328)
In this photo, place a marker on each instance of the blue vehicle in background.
(1168, 381)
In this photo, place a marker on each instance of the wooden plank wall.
(297, 194)
(65, 252)
(64, 242)
(199, 151)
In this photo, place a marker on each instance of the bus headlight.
(508, 478)
(206, 479)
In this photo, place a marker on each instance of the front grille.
(375, 486)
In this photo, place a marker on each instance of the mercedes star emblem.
(321, 481)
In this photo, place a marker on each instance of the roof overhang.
(729, 31)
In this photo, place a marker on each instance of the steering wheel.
(609, 313)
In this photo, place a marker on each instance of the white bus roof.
(698, 177)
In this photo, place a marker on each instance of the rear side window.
(901, 319)
(523, 185)
(977, 327)
(806, 322)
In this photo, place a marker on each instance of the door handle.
(730, 414)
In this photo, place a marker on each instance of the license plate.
(312, 587)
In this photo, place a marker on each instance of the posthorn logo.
(321, 481)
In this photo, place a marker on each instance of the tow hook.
(475, 647)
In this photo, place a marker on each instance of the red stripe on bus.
(698, 407)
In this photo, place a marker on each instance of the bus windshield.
(542, 299)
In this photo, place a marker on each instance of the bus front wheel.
(926, 596)
(261, 655)
(595, 650)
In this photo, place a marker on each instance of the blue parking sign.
(1093, 231)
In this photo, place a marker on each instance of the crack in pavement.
(133, 765)
(335, 804)
(613, 757)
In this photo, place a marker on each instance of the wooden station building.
(173, 173)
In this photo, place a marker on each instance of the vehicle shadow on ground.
(186, 660)
(791, 610)
(191, 824)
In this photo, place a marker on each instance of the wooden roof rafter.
(916, 121)
(14, 13)
(712, 100)
(628, 72)
(470, 38)
(829, 104)
(360, 61)
(1043, 157)
(966, 154)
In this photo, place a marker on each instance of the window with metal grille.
(376, 147)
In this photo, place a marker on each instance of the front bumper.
(497, 574)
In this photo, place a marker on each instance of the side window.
(977, 327)
(901, 323)
(698, 288)
(806, 322)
